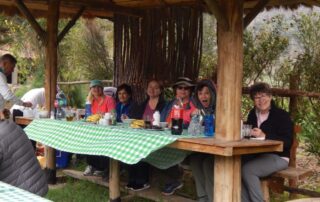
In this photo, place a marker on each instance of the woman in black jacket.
(269, 122)
(139, 173)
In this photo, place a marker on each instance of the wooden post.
(51, 77)
(114, 181)
(293, 108)
(227, 178)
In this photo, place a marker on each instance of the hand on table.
(27, 104)
(257, 132)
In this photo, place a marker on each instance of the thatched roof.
(106, 8)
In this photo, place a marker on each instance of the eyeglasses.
(183, 88)
(260, 97)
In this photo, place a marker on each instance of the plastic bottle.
(195, 125)
(113, 117)
(176, 120)
(209, 125)
(52, 115)
(87, 109)
(156, 118)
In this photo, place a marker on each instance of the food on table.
(94, 118)
(137, 124)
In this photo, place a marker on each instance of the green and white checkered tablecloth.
(9, 193)
(121, 143)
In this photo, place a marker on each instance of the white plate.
(257, 138)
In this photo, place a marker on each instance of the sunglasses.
(183, 88)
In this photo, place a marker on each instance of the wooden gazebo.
(232, 17)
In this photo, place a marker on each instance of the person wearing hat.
(183, 89)
(100, 104)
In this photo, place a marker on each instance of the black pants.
(98, 162)
(139, 173)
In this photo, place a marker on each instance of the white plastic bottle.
(156, 118)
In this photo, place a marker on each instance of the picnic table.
(158, 148)
(9, 193)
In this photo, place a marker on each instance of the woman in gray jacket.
(18, 163)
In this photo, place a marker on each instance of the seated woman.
(269, 122)
(139, 173)
(182, 88)
(124, 101)
(202, 164)
(100, 104)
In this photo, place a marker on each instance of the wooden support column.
(293, 109)
(227, 179)
(114, 181)
(51, 76)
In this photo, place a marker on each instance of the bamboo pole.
(51, 77)
(227, 179)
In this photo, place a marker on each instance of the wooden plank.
(114, 180)
(287, 92)
(70, 24)
(215, 9)
(293, 173)
(153, 193)
(34, 24)
(227, 148)
(23, 120)
(254, 12)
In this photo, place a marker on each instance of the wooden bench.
(292, 173)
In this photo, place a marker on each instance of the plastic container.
(62, 159)
(209, 125)
(88, 109)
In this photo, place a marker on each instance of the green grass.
(79, 191)
(83, 191)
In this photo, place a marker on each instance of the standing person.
(183, 89)
(139, 173)
(7, 65)
(124, 101)
(35, 96)
(272, 123)
(100, 104)
(202, 164)
(18, 164)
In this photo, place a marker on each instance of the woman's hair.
(161, 86)
(259, 88)
(126, 88)
(90, 96)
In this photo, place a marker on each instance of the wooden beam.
(51, 75)
(70, 24)
(254, 12)
(114, 181)
(287, 92)
(35, 25)
(108, 82)
(227, 179)
(216, 10)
